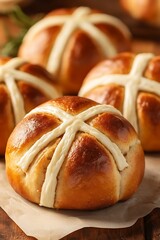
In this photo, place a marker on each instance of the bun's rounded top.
(23, 86)
(69, 42)
(131, 83)
(72, 146)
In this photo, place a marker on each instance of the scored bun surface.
(69, 42)
(131, 83)
(23, 86)
(73, 153)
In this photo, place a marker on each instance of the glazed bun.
(145, 10)
(74, 154)
(23, 86)
(131, 83)
(69, 42)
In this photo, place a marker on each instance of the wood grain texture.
(152, 225)
(147, 228)
(10, 231)
(135, 232)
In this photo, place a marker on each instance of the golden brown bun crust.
(89, 177)
(146, 10)
(32, 97)
(81, 52)
(148, 105)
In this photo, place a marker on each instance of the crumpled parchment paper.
(47, 224)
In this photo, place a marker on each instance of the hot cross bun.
(69, 42)
(23, 86)
(131, 83)
(74, 154)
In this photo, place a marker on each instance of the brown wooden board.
(10, 231)
(147, 228)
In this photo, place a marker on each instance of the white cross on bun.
(74, 154)
(131, 83)
(69, 42)
(23, 86)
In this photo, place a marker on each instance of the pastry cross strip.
(67, 129)
(133, 82)
(81, 19)
(9, 74)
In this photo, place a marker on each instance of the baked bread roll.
(23, 86)
(145, 10)
(74, 154)
(69, 42)
(131, 83)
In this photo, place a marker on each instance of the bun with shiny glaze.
(23, 86)
(131, 83)
(69, 42)
(74, 154)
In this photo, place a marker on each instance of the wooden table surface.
(147, 228)
(146, 39)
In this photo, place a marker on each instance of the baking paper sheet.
(47, 224)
